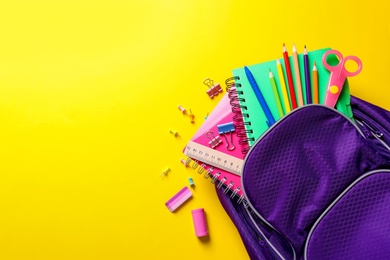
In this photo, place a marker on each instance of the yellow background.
(89, 91)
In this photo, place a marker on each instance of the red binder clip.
(213, 90)
(214, 141)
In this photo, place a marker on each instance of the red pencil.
(289, 78)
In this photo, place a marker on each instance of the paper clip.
(175, 133)
(186, 162)
(165, 171)
(213, 90)
(224, 129)
(214, 141)
(182, 109)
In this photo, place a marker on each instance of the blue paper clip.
(224, 129)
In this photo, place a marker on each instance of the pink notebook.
(221, 163)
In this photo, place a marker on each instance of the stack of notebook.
(220, 144)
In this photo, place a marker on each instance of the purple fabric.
(299, 167)
(357, 226)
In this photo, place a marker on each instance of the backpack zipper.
(371, 131)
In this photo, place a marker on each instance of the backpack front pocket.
(356, 225)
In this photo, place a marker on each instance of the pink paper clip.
(213, 90)
(176, 201)
(214, 141)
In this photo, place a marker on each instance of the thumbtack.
(182, 109)
(175, 133)
(192, 117)
(165, 171)
(206, 116)
(191, 181)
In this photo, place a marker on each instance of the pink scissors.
(338, 74)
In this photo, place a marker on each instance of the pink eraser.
(199, 220)
(180, 197)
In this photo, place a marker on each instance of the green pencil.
(276, 94)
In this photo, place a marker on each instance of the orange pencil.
(315, 84)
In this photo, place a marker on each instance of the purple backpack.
(317, 186)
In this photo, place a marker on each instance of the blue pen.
(260, 97)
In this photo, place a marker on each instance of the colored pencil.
(276, 94)
(315, 84)
(283, 87)
(260, 97)
(307, 76)
(289, 78)
(297, 77)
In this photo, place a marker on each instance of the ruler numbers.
(214, 157)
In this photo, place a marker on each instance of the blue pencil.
(260, 97)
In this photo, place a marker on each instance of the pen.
(315, 84)
(260, 97)
(276, 94)
(307, 76)
(297, 77)
(283, 87)
(289, 78)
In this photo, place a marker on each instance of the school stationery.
(270, 118)
(315, 84)
(283, 87)
(276, 94)
(178, 199)
(338, 75)
(307, 77)
(297, 77)
(252, 114)
(289, 78)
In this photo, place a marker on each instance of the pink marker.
(182, 196)
(199, 220)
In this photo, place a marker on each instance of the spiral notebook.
(223, 165)
(252, 114)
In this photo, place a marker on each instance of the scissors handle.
(325, 57)
(358, 62)
(340, 67)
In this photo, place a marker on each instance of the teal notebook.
(253, 114)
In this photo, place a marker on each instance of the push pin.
(186, 162)
(206, 116)
(192, 117)
(191, 182)
(182, 109)
(165, 172)
(213, 90)
(175, 133)
(225, 129)
(214, 141)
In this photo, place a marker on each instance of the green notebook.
(253, 110)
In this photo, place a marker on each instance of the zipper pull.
(371, 131)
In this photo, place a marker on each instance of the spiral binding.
(207, 170)
(238, 108)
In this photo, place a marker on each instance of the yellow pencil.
(315, 84)
(297, 76)
(283, 87)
